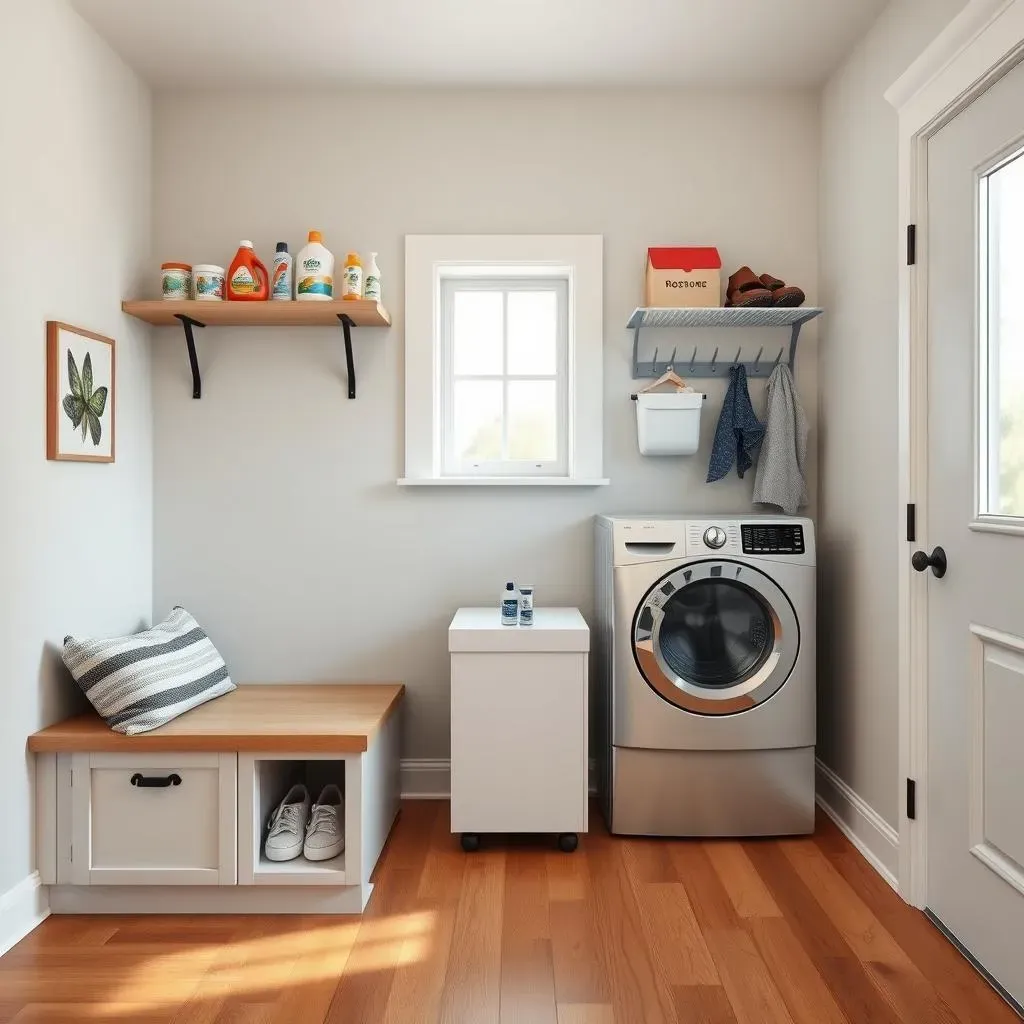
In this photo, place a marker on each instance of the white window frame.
(450, 284)
(429, 260)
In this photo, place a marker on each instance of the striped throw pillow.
(145, 680)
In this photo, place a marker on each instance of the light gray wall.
(859, 547)
(278, 522)
(75, 539)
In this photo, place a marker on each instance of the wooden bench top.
(297, 718)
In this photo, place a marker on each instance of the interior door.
(976, 515)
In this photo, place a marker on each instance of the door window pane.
(478, 415)
(532, 333)
(478, 332)
(1003, 492)
(715, 633)
(532, 420)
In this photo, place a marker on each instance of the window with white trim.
(504, 359)
(504, 375)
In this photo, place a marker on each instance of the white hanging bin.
(668, 423)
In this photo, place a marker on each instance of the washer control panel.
(772, 539)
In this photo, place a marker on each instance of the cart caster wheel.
(470, 842)
(568, 841)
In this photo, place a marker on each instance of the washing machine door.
(716, 637)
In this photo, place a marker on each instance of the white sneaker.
(325, 833)
(288, 825)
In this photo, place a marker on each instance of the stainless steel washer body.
(705, 654)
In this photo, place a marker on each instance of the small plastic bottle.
(525, 605)
(281, 275)
(509, 605)
(352, 282)
(371, 282)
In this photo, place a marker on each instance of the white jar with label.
(176, 280)
(209, 282)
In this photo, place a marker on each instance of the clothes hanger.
(668, 377)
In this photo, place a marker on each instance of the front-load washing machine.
(706, 666)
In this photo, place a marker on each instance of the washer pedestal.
(712, 792)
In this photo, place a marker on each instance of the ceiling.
(482, 42)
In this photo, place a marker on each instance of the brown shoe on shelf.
(747, 289)
(782, 294)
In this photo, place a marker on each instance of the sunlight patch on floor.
(270, 963)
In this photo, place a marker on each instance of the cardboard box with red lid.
(683, 275)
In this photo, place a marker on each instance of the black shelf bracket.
(188, 323)
(347, 323)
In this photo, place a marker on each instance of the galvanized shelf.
(718, 317)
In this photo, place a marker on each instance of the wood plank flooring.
(624, 931)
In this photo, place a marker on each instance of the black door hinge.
(911, 799)
(912, 522)
(911, 244)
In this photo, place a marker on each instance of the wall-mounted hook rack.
(198, 313)
(772, 316)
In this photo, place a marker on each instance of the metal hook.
(693, 358)
(777, 358)
(672, 360)
(757, 361)
(738, 351)
(714, 359)
(654, 364)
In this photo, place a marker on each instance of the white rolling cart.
(519, 724)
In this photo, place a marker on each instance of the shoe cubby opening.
(273, 780)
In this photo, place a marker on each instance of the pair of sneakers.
(316, 831)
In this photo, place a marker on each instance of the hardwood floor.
(798, 931)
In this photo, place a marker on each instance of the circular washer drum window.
(716, 637)
(716, 633)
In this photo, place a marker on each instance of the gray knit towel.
(780, 470)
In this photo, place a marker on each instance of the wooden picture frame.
(80, 394)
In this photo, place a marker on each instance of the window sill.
(500, 481)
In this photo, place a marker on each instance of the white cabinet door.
(153, 819)
(519, 742)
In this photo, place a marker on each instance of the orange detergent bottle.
(247, 279)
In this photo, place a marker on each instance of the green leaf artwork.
(84, 406)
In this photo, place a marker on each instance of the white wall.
(859, 546)
(277, 518)
(75, 539)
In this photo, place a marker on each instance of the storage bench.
(172, 821)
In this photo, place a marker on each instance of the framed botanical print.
(79, 394)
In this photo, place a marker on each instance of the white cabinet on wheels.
(519, 725)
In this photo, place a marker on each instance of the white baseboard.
(875, 839)
(22, 908)
(428, 778)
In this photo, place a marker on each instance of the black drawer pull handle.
(156, 781)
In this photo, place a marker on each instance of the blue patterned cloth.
(739, 432)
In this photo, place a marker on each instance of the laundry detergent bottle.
(314, 271)
(247, 279)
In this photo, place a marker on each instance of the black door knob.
(936, 561)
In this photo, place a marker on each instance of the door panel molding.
(983, 642)
(981, 44)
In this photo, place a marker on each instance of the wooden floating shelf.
(191, 313)
(165, 313)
